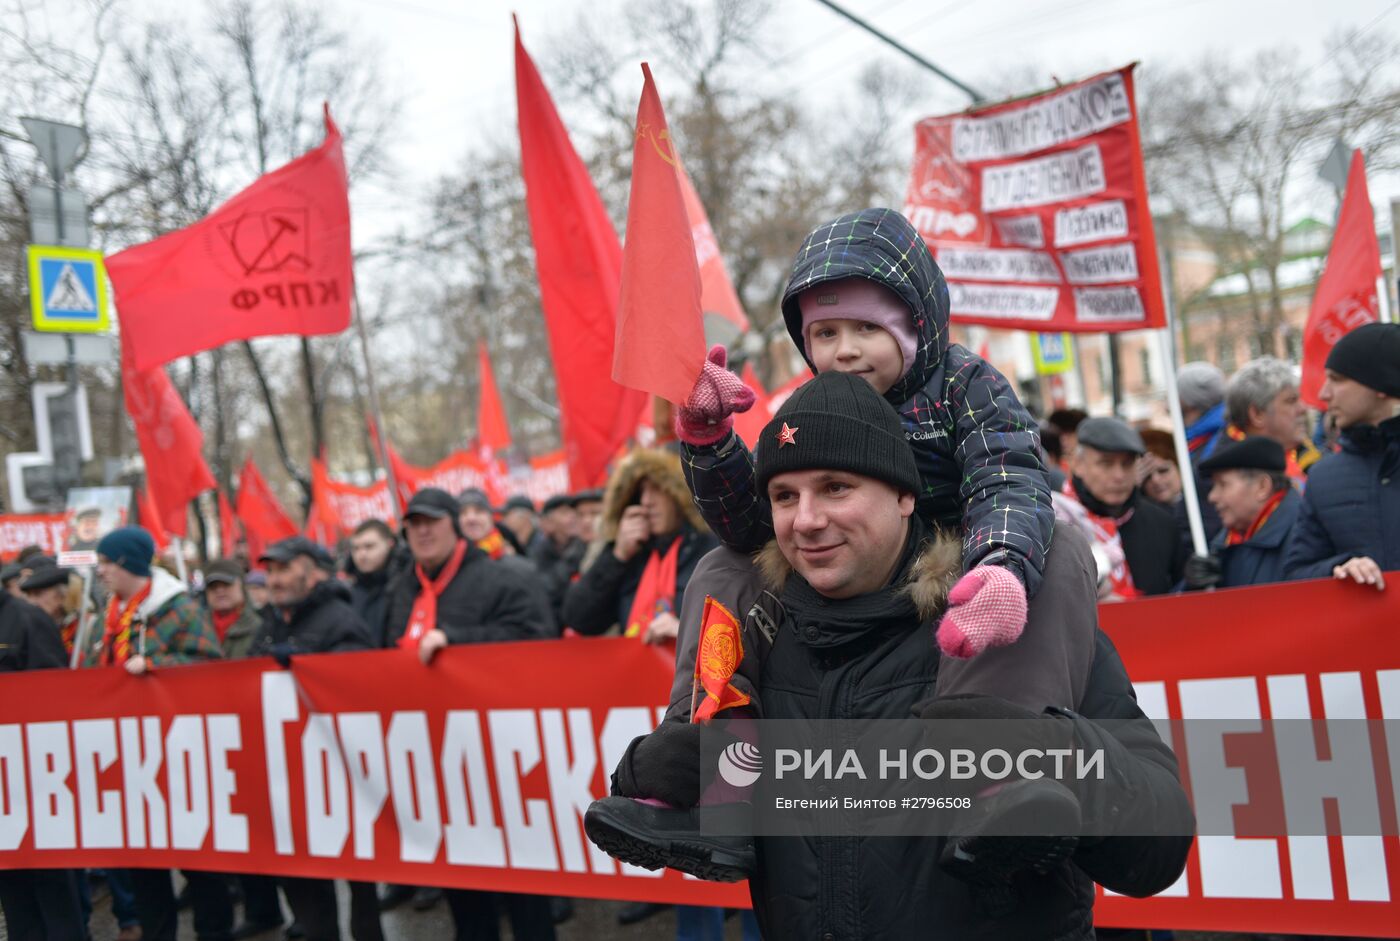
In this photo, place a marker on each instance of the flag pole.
(1183, 454)
(378, 415)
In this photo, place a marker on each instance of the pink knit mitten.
(986, 608)
(707, 414)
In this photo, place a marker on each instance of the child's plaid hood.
(881, 246)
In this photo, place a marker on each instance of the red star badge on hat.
(787, 436)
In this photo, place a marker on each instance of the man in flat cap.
(1349, 527)
(235, 620)
(1122, 523)
(311, 614)
(1250, 489)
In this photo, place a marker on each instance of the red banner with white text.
(1036, 210)
(19, 530)
(475, 771)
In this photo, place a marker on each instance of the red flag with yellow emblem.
(716, 660)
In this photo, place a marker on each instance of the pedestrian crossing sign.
(68, 290)
(1053, 353)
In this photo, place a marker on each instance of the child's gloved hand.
(707, 415)
(986, 608)
(664, 765)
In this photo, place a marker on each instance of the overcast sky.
(452, 61)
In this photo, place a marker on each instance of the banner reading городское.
(476, 770)
(1036, 210)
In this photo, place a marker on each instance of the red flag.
(579, 264)
(149, 518)
(717, 294)
(261, 513)
(492, 429)
(1346, 293)
(228, 528)
(274, 259)
(660, 328)
(170, 441)
(716, 660)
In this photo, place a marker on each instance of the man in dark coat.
(456, 594)
(40, 904)
(1350, 524)
(558, 555)
(375, 558)
(1250, 489)
(856, 581)
(311, 614)
(1104, 483)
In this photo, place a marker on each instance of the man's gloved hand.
(282, 653)
(986, 608)
(664, 765)
(1203, 571)
(707, 415)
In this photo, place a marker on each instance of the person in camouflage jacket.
(151, 619)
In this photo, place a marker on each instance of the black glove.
(664, 765)
(282, 653)
(1202, 572)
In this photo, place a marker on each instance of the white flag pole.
(1183, 456)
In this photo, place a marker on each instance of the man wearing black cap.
(456, 594)
(519, 519)
(589, 504)
(311, 609)
(1250, 489)
(1350, 524)
(857, 580)
(1122, 523)
(559, 553)
(311, 614)
(48, 588)
(36, 903)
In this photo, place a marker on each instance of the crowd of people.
(903, 526)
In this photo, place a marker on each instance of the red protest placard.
(1036, 210)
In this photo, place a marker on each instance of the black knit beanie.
(1370, 355)
(837, 421)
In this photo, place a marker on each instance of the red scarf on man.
(1234, 537)
(656, 592)
(1106, 534)
(116, 638)
(223, 621)
(423, 618)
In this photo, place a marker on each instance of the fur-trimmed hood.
(932, 574)
(662, 468)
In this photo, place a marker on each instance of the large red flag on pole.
(1346, 293)
(660, 328)
(275, 259)
(579, 264)
(170, 441)
(492, 429)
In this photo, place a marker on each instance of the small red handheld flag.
(1346, 292)
(274, 259)
(716, 659)
(660, 332)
